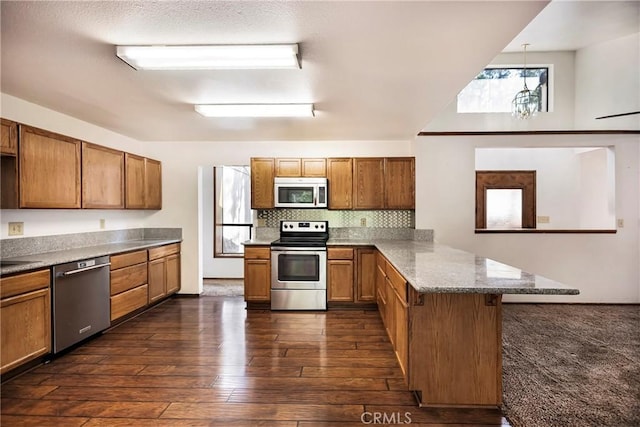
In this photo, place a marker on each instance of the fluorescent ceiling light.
(255, 110)
(202, 57)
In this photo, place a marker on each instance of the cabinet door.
(49, 169)
(399, 183)
(340, 280)
(134, 181)
(102, 177)
(25, 328)
(314, 168)
(262, 173)
(152, 184)
(381, 293)
(257, 280)
(340, 178)
(157, 279)
(173, 273)
(288, 167)
(368, 183)
(366, 287)
(9, 137)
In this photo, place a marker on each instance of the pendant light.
(525, 103)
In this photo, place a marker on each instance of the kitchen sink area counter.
(31, 253)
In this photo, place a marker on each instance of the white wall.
(184, 196)
(561, 99)
(41, 222)
(607, 81)
(603, 266)
(597, 189)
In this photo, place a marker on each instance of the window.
(232, 210)
(494, 88)
(505, 199)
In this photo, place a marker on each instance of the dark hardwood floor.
(209, 362)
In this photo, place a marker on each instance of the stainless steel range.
(299, 266)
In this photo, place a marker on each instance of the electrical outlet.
(16, 228)
(543, 219)
(363, 222)
(620, 223)
(262, 222)
(103, 224)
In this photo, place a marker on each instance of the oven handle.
(314, 250)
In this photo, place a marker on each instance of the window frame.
(506, 179)
(549, 84)
(218, 225)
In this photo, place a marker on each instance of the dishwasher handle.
(80, 270)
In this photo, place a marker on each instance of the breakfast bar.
(446, 327)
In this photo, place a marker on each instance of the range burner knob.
(316, 225)
(321, 225)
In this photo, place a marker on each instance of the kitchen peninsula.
(442, 309)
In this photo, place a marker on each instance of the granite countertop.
(434, 268)
(48, 259)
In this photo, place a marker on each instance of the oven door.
(298, 268)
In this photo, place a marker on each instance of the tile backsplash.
(371, 219)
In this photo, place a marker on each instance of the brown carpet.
(571, 365)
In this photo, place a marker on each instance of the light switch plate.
(620, 223)
(543, 219)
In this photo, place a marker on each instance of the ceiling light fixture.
(255, 110)
(526, 102)
(205, 57)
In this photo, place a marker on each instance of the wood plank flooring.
(209, 362)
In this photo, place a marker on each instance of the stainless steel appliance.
(81, 306)
(299, 266)
(300, 192)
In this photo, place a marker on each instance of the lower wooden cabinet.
(143, 277)
(257, 274)
(163, 271)
(394, 308)
(25, 318)
(340, 275)
(366, 277)
(129, 290)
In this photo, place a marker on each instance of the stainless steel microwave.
(300, 192)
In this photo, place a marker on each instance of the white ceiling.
(374, 70)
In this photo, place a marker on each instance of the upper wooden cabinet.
(301, 168)
(49, 169)
(153, 184)
(288, 167)
(340, 178)
(399, 183)
(368, 183)
(384, 183)
(135, 184)
(315, 168)
(102, 177)
(262, 175)
(9, 140)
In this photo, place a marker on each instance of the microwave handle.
(315, 198)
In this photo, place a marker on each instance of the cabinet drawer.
(261, 252)
(339, 253)
(126, 278)
(126, 302)
(397, 281)
(381, 261)
(26, 282)
(125, 260)
(163, 251)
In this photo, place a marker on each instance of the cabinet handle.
(80, 270)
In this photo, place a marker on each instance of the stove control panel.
(304, 226)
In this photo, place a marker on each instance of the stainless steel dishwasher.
(81, 306)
